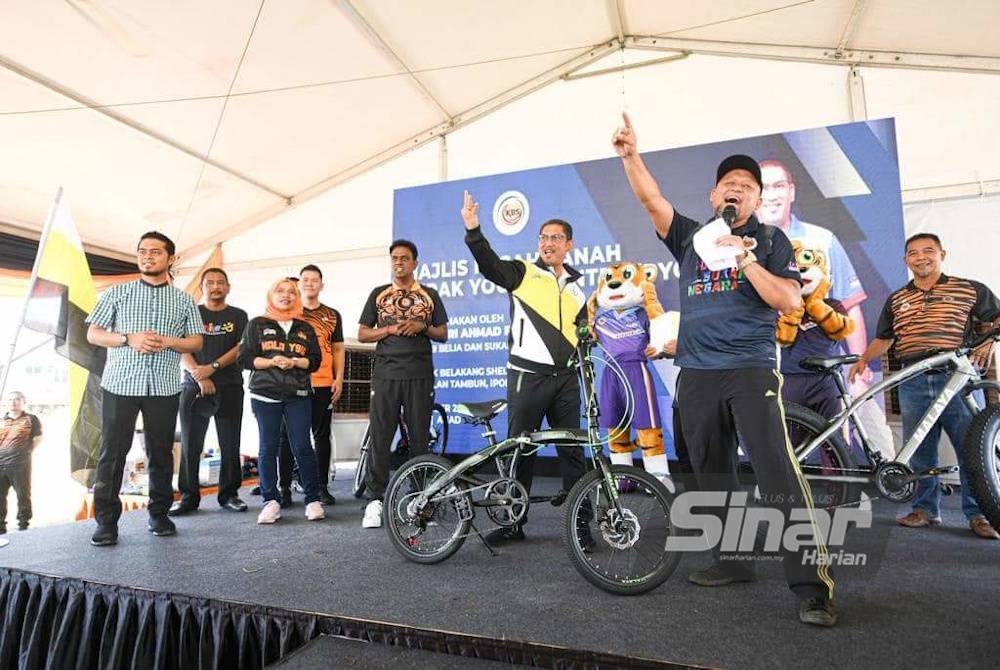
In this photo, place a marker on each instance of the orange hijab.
(275, 312)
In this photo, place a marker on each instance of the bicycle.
(617, 518)
(401, 449)
(894, 479)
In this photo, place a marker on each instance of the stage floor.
(928, 597)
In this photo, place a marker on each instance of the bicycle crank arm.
(556, 500)
(917, 476)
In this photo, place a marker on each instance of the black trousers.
(118, 415)
(532, 398)
(715, 405)
(194, 426)
(415, 397)
(19, 477)
(322, 415)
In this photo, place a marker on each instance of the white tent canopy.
(259, 122)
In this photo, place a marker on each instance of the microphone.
(729, 214)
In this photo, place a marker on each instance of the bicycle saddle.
(480, 410)
(820, 364)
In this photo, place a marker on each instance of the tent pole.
(31, 285)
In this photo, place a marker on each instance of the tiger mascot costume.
(816, 328)
(815, 286)
(620, 312)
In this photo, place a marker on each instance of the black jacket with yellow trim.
(266, 338)
(544, 316)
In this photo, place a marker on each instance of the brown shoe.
(981, 527)
(919, 519)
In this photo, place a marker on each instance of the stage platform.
(225, 592)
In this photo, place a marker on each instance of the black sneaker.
(326, 498)
(586, 540)
(505, 535)
(819, 611)
(718, 574)
(105, 535)
(285, 497)
(584, 537)
(234, 504)
(181, 508)
(22, 525)
(161, 526)
(3, 529)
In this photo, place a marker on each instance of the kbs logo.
(510, 212)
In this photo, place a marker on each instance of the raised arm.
(660, 211)
(505, 274)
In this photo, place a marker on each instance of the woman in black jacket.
(281, 350)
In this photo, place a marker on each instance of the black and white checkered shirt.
(137, 307)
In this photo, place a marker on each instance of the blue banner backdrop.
(846, 181)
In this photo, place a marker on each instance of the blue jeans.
(297, 417)
(915, 396)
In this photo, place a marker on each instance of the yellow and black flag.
(60, 297)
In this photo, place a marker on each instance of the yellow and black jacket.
(544, 316)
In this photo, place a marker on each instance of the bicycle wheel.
(438, 530)
(826, 467)
(981, 460)
(627, 552)
(439, 430)
(362, 470)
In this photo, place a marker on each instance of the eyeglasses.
(558, 237)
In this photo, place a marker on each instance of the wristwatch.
(215, 365)
(749, 257)
(124, 341)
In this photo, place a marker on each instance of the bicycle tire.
(439, 430)
(361, 472)
(616, 563)
(832, 457)
(981, 460)
(412, 537)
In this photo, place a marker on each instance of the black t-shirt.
(396, 356)
(223, 330)
(725, 324)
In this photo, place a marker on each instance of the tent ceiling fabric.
(199, 119)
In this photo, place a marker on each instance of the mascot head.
(625, 285)
(812, 267)
(621, 285)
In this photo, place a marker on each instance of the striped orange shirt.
(941, 317)
(329, 331)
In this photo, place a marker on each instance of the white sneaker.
(314, 511)
(373, 515)
(270, 513)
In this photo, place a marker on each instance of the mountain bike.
(400, 452)
(617, 518)
(894, 479)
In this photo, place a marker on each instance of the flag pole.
(31, 285)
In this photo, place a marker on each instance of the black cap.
(739, 162)
(207, 406)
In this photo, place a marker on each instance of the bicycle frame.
(964, 375)
(529, 444)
